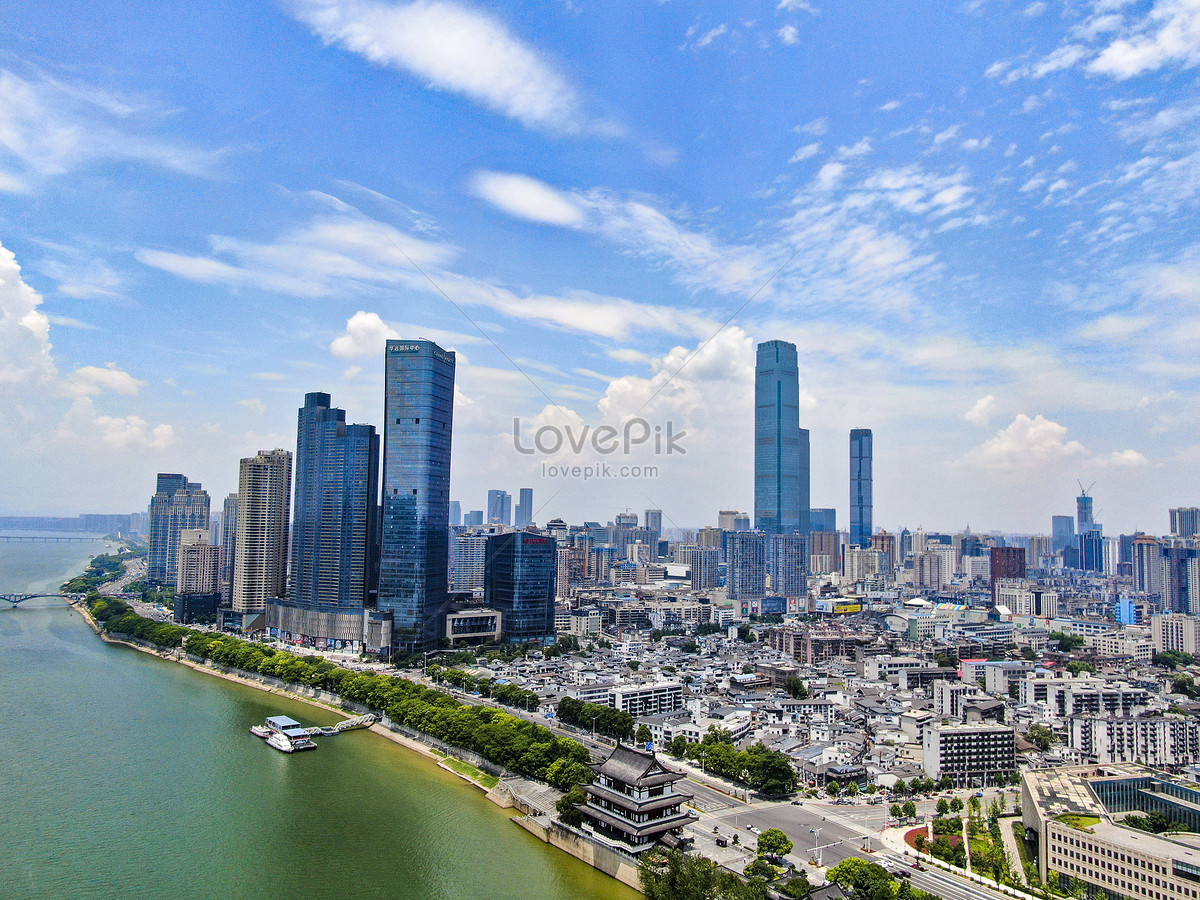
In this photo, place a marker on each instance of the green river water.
(126, 776)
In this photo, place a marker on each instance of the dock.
(364, 721)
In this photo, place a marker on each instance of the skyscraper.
(748, 552)
(333, 526)
(414, 555)
(788, 564)
(264, 505)
(228, 546)
(1083, 513)
(822, 519)
(519, 578)
(1062, 533)
(781, 466)
(1185, 521)
(455, 514)
(1005, 562)
(499, 508)
(524, 513)
(861, 454)
(654, 526)
(177, 504)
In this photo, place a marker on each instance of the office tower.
(264, 502)
(1091, 550)
(199, 563)
(333, 526)
(861, 563)
(524, 516)
(228, 546)
(823, 519)
(861, 455)
(653, 522)
(519, 581)
(741, 522)
(499, 508)
(788, 564)
(1006, 562)
(626, 520)
(455, 514)
(1083, 512)
(177, 504)
(747, 578)
(725, 520)
(1185, 521)
(781, 501)
(473, 518)
(414, 555)
(571, 568)
(1062, 533)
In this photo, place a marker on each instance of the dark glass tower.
(414, 553)
(519, 579)
(781, 500)
(177, 504)
(334, 523)
(861, 450)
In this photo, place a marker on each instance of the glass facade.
(333, 526)
(177, 504)
(519, 580)
(781, 476)
(414, 553)
(861, 449)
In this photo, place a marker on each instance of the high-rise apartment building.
(199, 563)
(264, 507)
(1005, 562)
(519, 578)
(414, 553)
(885, 543)
(499, 508)
(747, 578)
(702, 565)
(781, 454)
(334, 536)
(861, 456)
(788, 564)
(653, 524)
(1147, 565)
(1185, 521)
(177, 504)
(524, 512)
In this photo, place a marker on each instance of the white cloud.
(1026, 443)
(24, 329)
(128, 432)
(365, 335)
(889, 106)
(1169, 33)
(948, 135)
(981, 413)
(452, 48)
(796, 6)
(89, 381)
(789, 35)
(806, 152)
(1127, 459)
(527, 198)
(816, 127)
(1033, 10)
(49, 128)
(1110, 328)
(971, 144)
(255, 406)
(829, 176)
(711, 35)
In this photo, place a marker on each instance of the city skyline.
(986, 257)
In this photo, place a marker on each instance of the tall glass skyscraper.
(524, 513)
(861, 450)
(414, 552)
(781, 478)
(334, 523)
(499, 508)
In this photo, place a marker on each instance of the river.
(126, 776)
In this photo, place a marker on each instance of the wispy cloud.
(454, 48)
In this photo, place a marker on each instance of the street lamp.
(594, 718)
(816, 833)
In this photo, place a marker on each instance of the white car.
(754, 829)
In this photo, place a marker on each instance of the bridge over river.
(17, 599)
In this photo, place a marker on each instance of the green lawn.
(476, 775)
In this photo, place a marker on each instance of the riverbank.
(514, 792)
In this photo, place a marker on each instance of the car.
(754, 829)
(917, 866)
(902, 873)
(797, 803)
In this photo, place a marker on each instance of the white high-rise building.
(263, 511)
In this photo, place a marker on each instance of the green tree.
(1067, 642)
(864, 880)
(1172, 659)
(956, 805)
(796, 688)
(900, 788)
(896, 811)
(833, 789)
(643, 734)
(683, 876)
(797, 888)
(943, 806)
(678, 745)
(852, 788)
(1040, 736)
(774, 842)
(910, 809)
(568, 806)
(1078, 666)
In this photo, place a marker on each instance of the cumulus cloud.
(128, 432)
(527, 198)
(89, 381)
(1026, 442)
(366, 334)
(453, 48)
(24, 329)
(1127, 459)
(806, 152)
(981, 413)
(789, 34)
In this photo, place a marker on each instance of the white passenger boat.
(280, 741)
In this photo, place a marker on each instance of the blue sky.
(977, 221)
